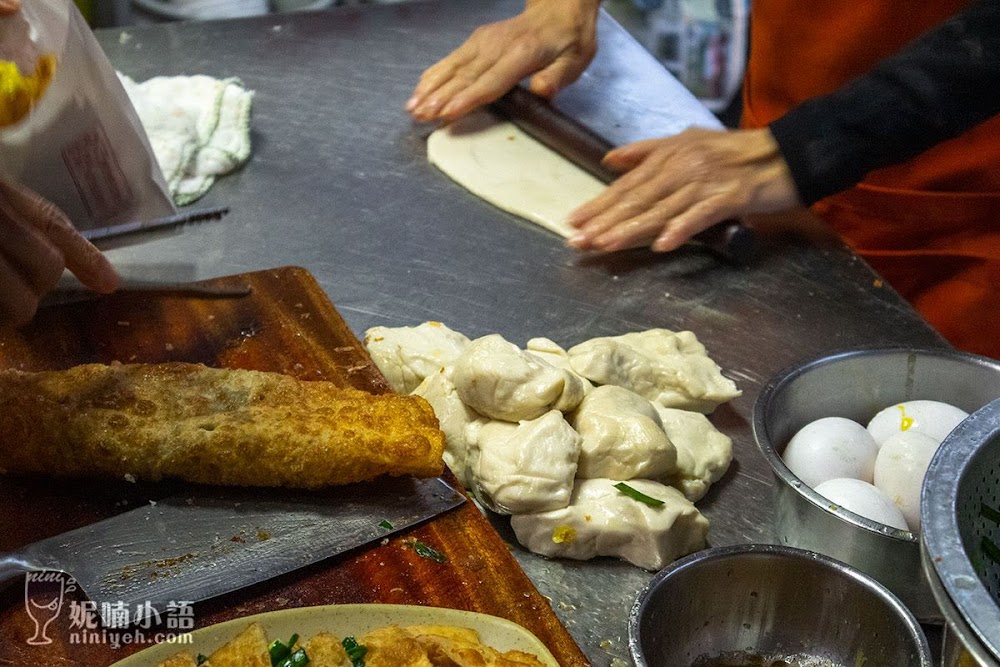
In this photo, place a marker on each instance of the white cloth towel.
(198, 126)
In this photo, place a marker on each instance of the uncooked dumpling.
(499, 380)
(526, 467)
(406, 355)
(703, 452)
(621, 437)
(454, 416)
(671, 369)
(602, 521)
(550, 351)
(494, 159)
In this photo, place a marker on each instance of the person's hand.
(673, 188)
(554, 40)
(37, 241)
(9, 7)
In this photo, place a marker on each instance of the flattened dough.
(497, 161)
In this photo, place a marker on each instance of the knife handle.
(728, 239)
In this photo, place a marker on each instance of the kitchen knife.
(198, 215)
(584, 148)
(194, 547)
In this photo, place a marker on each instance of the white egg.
(829, 448)
(932, 418)
(899, 471)
(864, 499)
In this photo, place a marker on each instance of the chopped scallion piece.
(355, 651)
(429, 552)
(297, 659)
(280, 651)
(384, 523)
(635, 494)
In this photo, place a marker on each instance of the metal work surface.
(339, 183)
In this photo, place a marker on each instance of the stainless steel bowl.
(960, 512)
(857, 384)
(771, 601)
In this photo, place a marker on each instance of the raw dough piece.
(603, 521)
(703, 452)
(501, 381)
(622, 437)
(552, 352)
(406, 355)
(526, 467)
(671, 369)
(454, 417)
(494, 159)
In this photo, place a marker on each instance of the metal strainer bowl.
(960, 543)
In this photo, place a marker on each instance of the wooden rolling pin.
(578, 144)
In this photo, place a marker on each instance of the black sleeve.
(942, 84)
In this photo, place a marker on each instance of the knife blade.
(583, 147)
(193, 548)
(198, 215)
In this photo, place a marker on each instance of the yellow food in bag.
(18, 93)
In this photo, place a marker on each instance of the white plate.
(348, 619)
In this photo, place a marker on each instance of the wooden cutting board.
(288, 325)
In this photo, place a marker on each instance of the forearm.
(941, 85)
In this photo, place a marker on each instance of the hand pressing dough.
(703, 452)
(495, 160)
(526, 467)
(622, 437)
(501, 381)
(454, 416)
(602, 521)
(667, 368)
(406, 355)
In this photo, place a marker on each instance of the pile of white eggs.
(877, 471)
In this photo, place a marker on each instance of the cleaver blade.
(189, 548)
(728, 239)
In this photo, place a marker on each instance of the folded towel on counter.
(198, 126)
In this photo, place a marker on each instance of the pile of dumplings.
(548, 433)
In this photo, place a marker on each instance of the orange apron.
(930, 226)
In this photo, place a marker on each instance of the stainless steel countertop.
(339, 183)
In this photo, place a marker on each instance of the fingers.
(554, 41)
(629, 156)
(27, 251)
(80, 256)
(9, 6)
(29, 266)
(557, 76)
(473, 89)
(18, 301)
(675, 187)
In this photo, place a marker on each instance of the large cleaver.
(190, 548)
(584, 148)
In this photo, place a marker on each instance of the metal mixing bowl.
(771, 601)
(960, 512)
(857, 384)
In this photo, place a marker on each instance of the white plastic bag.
(81, 144)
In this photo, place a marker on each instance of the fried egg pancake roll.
(211, 426)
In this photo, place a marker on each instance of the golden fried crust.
(213, 426)
(393, 647)
(248, 649)
(180, 660)
(325, 650)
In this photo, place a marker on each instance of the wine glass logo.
(43, 599)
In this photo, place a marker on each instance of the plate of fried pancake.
(374, 635)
